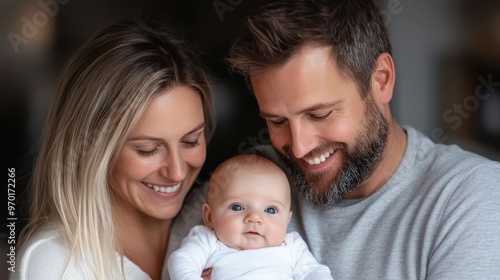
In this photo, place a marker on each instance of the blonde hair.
(101, 94)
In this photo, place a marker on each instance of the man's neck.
(391, 158)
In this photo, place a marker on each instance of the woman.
(124, 141)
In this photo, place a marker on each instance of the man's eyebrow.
(314, 107)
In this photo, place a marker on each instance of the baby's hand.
(206, 274)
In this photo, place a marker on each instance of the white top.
(201, 249)
(45, 257)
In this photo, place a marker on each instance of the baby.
(245, 234)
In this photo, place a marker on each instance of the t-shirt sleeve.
(190, 259)
(467, 243)
(305, 265)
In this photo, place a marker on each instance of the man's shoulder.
(448, 158)
(461, 163)
(455, 175)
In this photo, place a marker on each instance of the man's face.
(318, 120)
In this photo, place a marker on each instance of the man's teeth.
(162, 189)
(321, 158)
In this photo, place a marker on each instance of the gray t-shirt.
(438, 217)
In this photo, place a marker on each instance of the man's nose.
(302, 138)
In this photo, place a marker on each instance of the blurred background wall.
(447, 56)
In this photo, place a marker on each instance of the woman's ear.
(383, 79)
(207, 215)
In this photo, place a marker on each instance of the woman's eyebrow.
(196, 128)
(151, 138)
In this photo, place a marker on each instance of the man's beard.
(359, 161)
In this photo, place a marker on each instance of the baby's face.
(252, 211)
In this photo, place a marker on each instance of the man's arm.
(467, 243)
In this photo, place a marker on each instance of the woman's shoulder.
(45, 256)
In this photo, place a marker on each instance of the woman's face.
(161, 157)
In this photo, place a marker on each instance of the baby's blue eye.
(236, 207)
(271, 210)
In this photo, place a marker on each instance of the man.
(377, 200)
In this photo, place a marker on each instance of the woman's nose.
(174, 167)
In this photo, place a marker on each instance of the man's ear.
(383, 79)
(207, 215)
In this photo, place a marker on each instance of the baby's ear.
(207, 215)
(290, 216)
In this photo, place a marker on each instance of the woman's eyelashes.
(147, 152)
(192, 144)
(191, 141)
